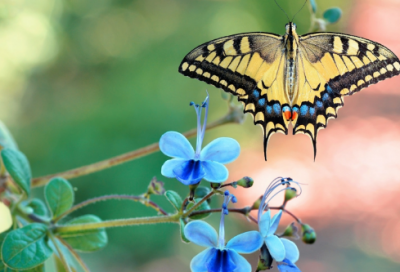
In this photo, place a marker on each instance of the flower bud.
(265, 260)
(290, 194)
(245, 182)
(155, 187)
(308, 234)
(215, 185)
(256, 204)
(291, 230)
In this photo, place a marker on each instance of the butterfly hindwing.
(250, 66)
(330, 66)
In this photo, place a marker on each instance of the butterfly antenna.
(299, 10)
(314, 141)
(285, 14)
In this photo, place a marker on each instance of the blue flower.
(219, 257)
(190, 166)
(287, 266)
(280, 248)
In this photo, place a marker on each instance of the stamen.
(191, 103)
(227, 198)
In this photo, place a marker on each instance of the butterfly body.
(290, 78)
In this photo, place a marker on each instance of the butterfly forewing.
(250, 66)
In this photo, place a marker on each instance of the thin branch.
(117, 223)
(195, 206)
(75, 254)
(231, 117)
(140, 199)
(62, 258)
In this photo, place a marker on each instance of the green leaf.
(38, 206)
(6, 139)
(201, 192)
(26, 248)
(17, 166)
(2, 236)
(174, 199)
(182, 228)
(59, 196)
(85, 240)
(332, 15)
(39, 268)
(202, 207)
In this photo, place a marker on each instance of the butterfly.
(291, 78)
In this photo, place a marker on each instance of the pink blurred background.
(354, 184)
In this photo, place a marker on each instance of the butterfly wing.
(333, 65)
(250, 66)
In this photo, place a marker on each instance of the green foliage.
(17, 166)
(6, 139)
(38, 207)
(181, 229)
(85, 240)
(332, 15)
(203, 206)
(27, 247)
(59, 196)
(201, 192)
(174, 199)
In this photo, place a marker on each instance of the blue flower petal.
(274, 223)
(168, 167)
(247, 242)
(242, 265)
(190, 172)
(200, 261)
(220, 261)
(201, 233)
(275, 247)
(175, 145)
(222, 150)
(287, 266)
(292, 252)
(264, 223)
(215, 171)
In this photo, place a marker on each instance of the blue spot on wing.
(312, 111)
(303, 109)
(277, 108)
(269, 109)
(261, 102)
(319, 104)
(325, 97)
(296, 109)
(286, 108)
(329, 89)
(256, 93)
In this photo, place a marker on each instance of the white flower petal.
(264, 223)
(215, 171)
(174, 144)
(169, 166)
(5, 217)
(247, 242)
(201, 233)
(242, 265)
(292, 252)
(274, 223)
(275, 247)
(200, 261)
(222, 150)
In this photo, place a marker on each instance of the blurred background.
(81, 81)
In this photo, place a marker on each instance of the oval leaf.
(182, 230)
(38, 207)
(26, 248)
(59, 196)
(85, 240)
(332, 15)
(174, 199)
(17, 166)
(6, 139)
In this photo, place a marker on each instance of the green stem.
(75, 254)
(195, 206)
(140, 199)
(62, 258)
(118, 223)
(231, 117)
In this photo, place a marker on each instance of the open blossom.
(190, 166)
(281, 249)
(221, 257)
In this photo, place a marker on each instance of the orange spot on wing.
(288, 115)
(294, 116)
